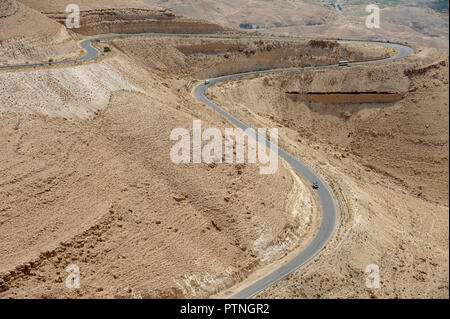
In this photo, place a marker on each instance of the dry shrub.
(322, 44)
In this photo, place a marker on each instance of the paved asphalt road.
(329, 210)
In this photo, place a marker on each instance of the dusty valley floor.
(388, 161)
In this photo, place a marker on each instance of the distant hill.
(424, 22)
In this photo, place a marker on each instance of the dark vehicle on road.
(315, 185)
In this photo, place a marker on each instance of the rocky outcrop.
(136, 20)
(378, 78)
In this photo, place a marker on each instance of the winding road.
(329, 209)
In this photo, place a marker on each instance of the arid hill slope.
(415, 128)
(27, 35)
(413, 21)
(86, 179)
(120, 16)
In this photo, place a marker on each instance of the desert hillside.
(87, 179)
(49, 6)
(415, 128)
(27, 36)
(424, 22)
(121, 16)
(390, 161)
(204, 58)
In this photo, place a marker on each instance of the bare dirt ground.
(86, 179)
(34, 31)
(203, 58)
(89, 145)
(413, 21)
(122, 16)
(104, 195)
(388, 163)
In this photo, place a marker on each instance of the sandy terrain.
(27, 36)
(122, 16)
(388, 163)
(34, 31)
(403, 20)
(48, 6)
(203, 58)
(86, 178)
(264, 14)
